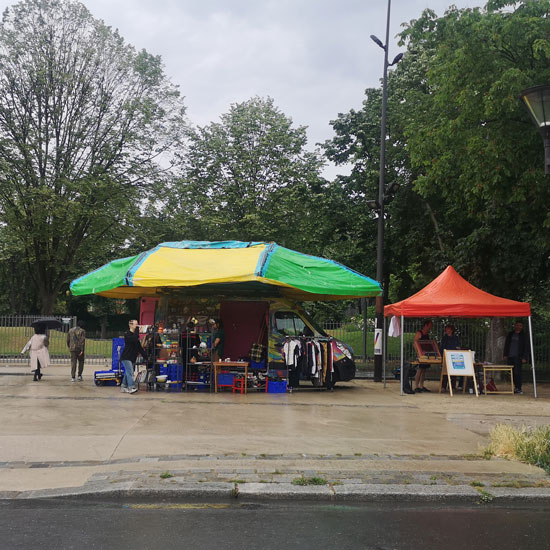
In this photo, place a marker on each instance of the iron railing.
(473, 334)
(15, 331)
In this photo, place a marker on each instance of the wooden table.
(498, 368)
(229, 365)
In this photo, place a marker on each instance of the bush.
(531, 446)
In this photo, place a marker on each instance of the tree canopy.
(85, 122)
(463, 149)
(249, 177)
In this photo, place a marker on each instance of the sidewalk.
(362, 441)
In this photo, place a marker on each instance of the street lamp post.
(537, 101)
(378, 331)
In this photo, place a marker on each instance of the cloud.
(314, 57)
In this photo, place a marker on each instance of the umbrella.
(226, 268)
(48, 322)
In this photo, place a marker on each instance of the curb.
(288, 491)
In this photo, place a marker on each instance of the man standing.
(76, 339)
(423, 334)
(132, 347)
(516, 351)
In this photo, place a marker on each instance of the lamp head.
(377, 40)
(397, 59)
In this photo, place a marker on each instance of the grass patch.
(357, 454)
(485, 497)
(470, 457)
(514, 484)
(12, 340)
(166, 475)
(309, 481)
(531, 446)
(477, 484)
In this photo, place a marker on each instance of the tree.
(249, 177)
(473, 145)
(468, 159)
(86, 124)
(357, 143)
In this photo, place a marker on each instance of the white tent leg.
(532, 356)
(401, 369)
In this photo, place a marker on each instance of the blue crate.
(225, 379)
(274, 386)
(115, 353)
(257, 364)
(163, 370)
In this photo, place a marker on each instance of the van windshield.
(290, 323)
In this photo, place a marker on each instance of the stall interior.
(201, 344)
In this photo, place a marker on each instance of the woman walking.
(38, 346)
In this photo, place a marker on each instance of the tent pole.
(401, 369)
(532, 356)
(385, 348)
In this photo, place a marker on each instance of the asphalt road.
(117, 524)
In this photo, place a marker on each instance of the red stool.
(239, 384)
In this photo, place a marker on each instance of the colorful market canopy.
(449, 295)
(202, 268)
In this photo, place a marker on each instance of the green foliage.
(309, 481)
(84, 119)
(531, 446)
(485, 497)
(477, 156)
(249, 177)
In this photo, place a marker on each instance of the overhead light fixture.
(537, 101)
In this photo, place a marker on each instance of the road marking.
(177, 506)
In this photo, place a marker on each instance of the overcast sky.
(313, 57)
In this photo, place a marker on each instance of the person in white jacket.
(38, 347)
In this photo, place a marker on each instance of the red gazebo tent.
(449, 295)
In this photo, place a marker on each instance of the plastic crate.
(225, 379)
(118, 346)
(257, 364)
(275, 386)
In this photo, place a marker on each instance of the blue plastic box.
(274, 386)
(225, 379)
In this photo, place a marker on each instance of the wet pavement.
(360, 441)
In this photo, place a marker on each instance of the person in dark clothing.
(423, 334)
(516, 352)
(132, 348)
(449, 341)
(219, 341)
(152, 343)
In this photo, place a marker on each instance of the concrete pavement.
(360, 441)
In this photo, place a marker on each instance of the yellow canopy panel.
(189, 267)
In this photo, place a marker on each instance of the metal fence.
(15, 331)
(473, 334)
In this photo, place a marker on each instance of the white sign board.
(459, 362)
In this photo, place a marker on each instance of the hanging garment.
(292, 349)
(395, 327)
